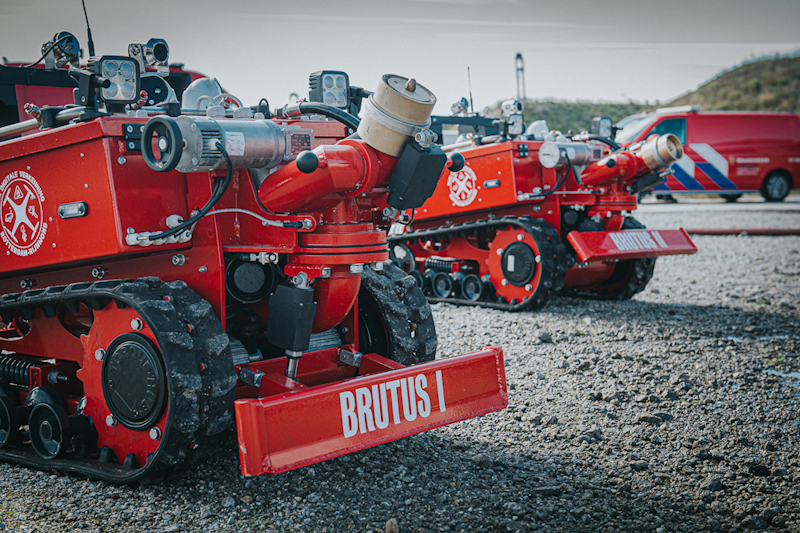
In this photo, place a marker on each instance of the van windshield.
(633, 128)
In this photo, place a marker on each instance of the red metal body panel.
(493, 177)
(630, 244)
(309, 425)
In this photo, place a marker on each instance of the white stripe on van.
(712, 156)
(686, 164)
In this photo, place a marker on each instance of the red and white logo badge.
(463, 187)
(22, 221)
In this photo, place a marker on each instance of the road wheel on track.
(776, 186)
(403, 257)
(394, 318)
(629, 278)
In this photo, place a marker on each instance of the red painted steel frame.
(310, 425)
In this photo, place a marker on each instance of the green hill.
(764, 84)
(577, 116)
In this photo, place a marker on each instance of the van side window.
(675, 126)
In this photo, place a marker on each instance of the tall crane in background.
(520, 63)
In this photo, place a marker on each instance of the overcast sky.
(583, 49)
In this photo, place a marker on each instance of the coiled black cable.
(561, 180)
(219, 189)
(47, 50)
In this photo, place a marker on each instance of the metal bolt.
(121, 160)
(520, 236)
(99, 354)
(499, 251)
(538, 258)
(26, 283)
(178, 259)
(131, 231)
(528, 287)
(155, 434)
(203, 269)
(411, 85)
(54, 245)
(129, 129)
(85, 185)
(110, 421)
(98, 272)
(81, 154)
(504, 282)
(136, 324)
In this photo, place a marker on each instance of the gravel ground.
(676, 411)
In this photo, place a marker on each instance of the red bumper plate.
(315, 424)
(630, 244)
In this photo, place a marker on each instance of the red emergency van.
(729, 153)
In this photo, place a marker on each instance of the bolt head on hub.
(155, 434)
(99, 354)
(520, 237)
(500, 251)
(46, 430)
(136, 324)
(504, 282)
(528, 287)
(110, 421)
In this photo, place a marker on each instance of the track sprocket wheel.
(629, 278)
(158, 378)
(525, 265)
(394, 318)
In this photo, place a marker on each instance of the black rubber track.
(552, 250)
(189, 335)
(391, 301)
(629, 278)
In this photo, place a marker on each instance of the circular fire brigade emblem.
(22, 221)
(463, 187)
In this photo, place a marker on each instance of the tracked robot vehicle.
(536, 213)
(170, 269)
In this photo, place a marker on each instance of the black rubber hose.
(308, 108)
(217, 193)
(594, 137)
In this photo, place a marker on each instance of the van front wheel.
(776, 186)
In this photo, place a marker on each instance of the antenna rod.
(469, 82)
(88, 30)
